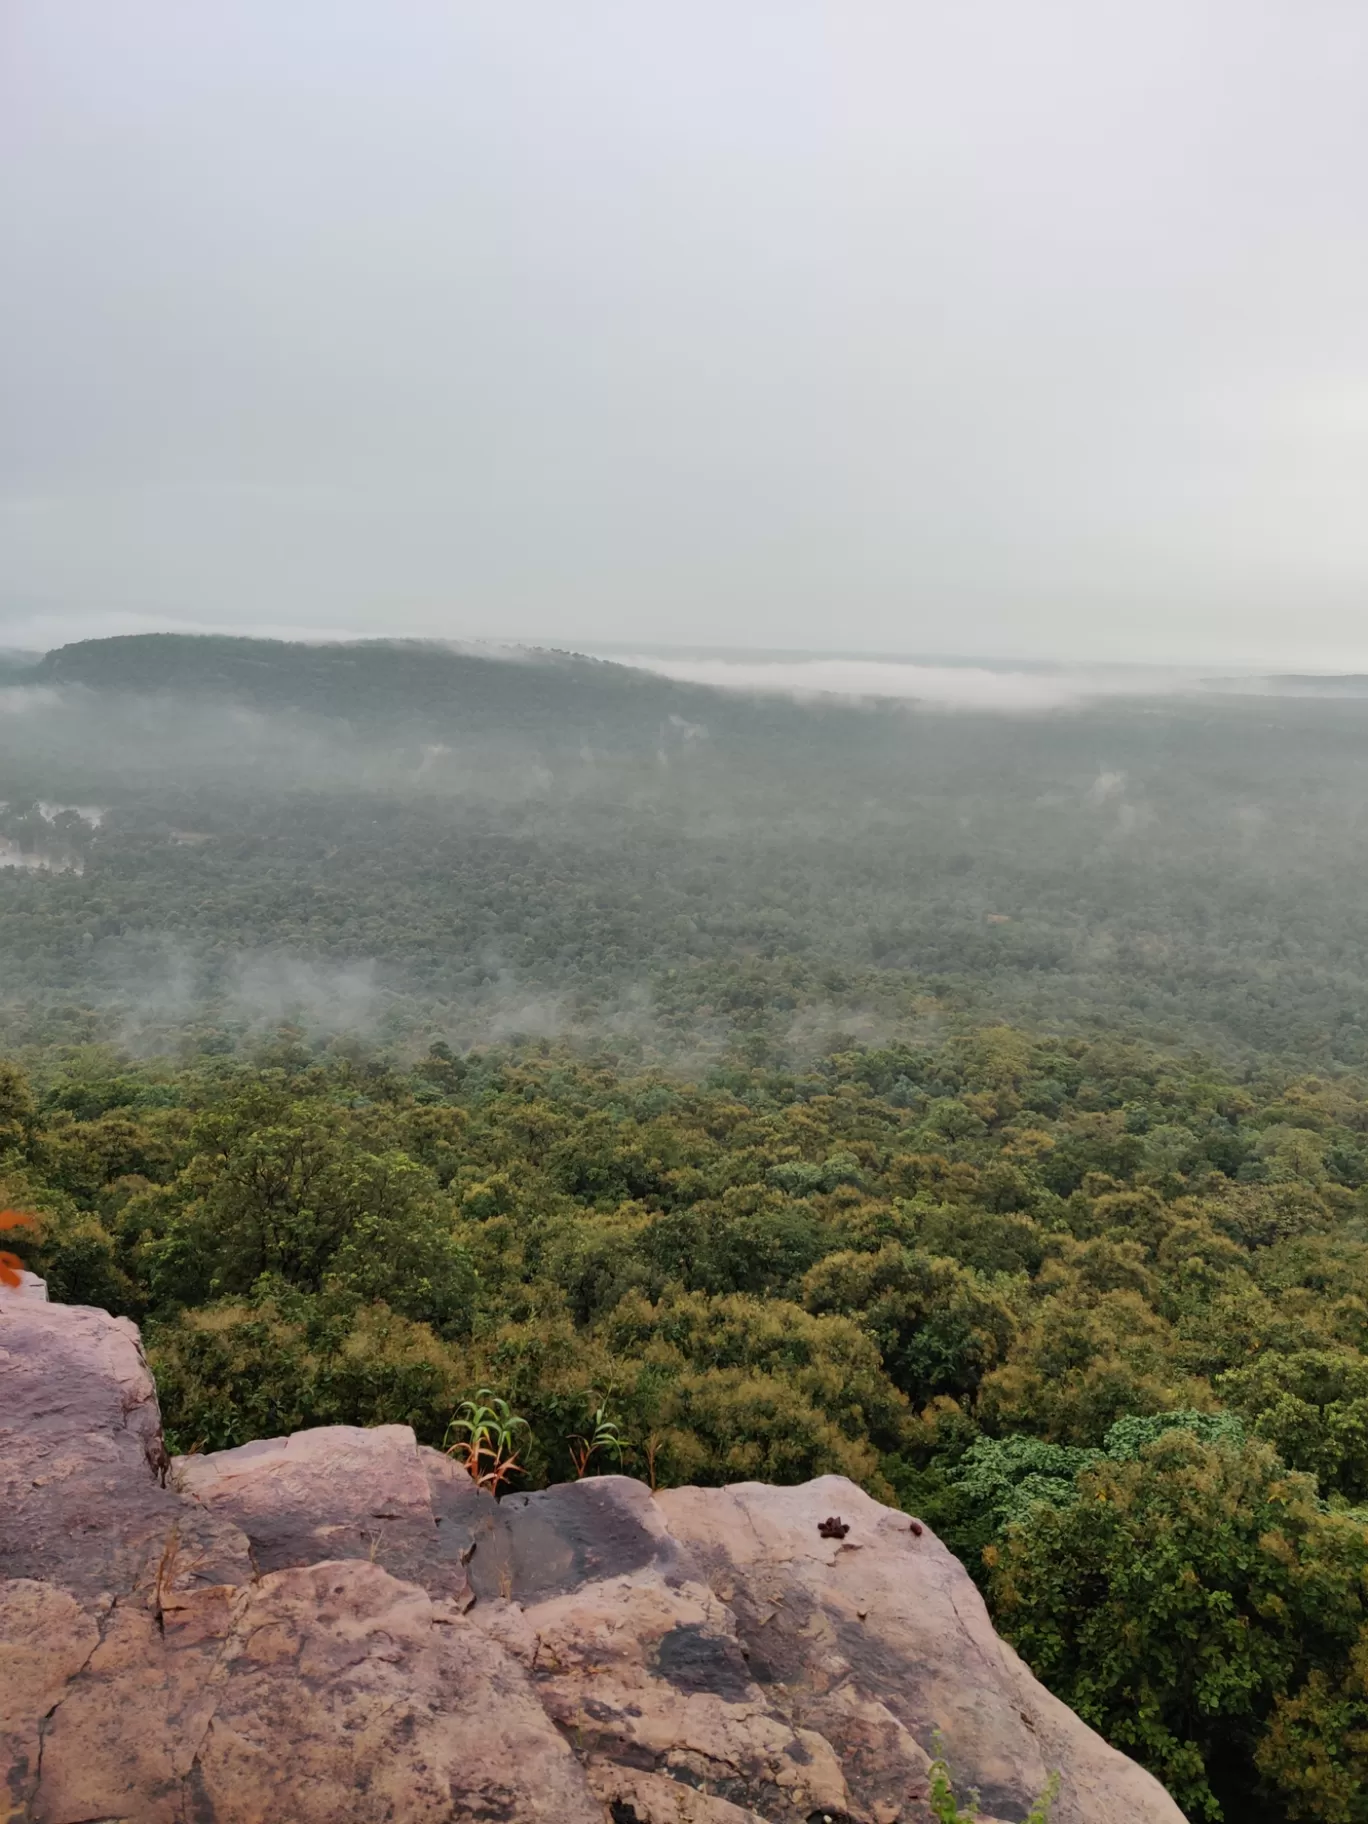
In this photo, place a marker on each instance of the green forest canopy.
(1099, 1315)
(963, 1103)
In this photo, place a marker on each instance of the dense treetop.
(964, 1103)
(1098, 1314)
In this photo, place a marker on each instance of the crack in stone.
(101, 1626)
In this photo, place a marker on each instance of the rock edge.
(337, 1628)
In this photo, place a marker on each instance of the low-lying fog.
(412, 839)
(983, 685)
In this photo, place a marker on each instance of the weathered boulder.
(337, 1628)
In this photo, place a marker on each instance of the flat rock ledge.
(336, 1628)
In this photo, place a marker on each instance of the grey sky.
(983, 328)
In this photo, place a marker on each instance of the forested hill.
(479, 721)
(379, 683)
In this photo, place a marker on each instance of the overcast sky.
(985, 327)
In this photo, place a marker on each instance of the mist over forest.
(965, 1100)
(418, 843)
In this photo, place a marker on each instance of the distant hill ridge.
(229, 663)
(380, 680)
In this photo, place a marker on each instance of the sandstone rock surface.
(336, 1628)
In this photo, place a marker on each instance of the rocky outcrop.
(336, 1628)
